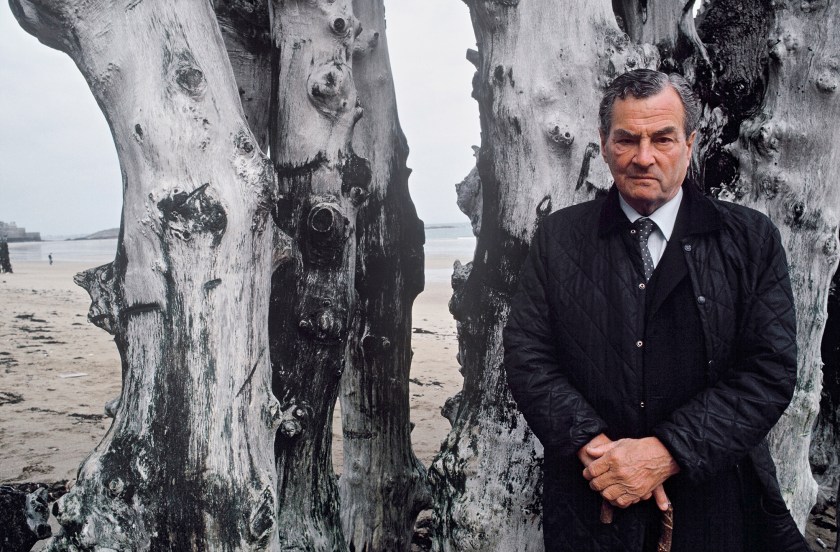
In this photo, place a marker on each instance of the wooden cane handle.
(665, 538)
(606, 512)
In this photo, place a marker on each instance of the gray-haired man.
(652, 346)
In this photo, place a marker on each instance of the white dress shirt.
(664, 217)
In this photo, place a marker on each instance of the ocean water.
(95, 252)
(454, 240)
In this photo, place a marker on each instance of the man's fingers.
(600, 449)
(595, 469)
(661, 498)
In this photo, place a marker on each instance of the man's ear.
(689, 142)
(603, 144)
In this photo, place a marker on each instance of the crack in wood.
(251, 374)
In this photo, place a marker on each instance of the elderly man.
(651, 347)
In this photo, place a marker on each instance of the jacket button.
(687, 247)
(642, 404)
(639, 343)
(701, 300)
(642, 286)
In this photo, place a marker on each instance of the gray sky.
(59, 173)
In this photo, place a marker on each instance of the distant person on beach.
(651, 347)
(50, 257)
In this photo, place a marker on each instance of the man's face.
(647, 150)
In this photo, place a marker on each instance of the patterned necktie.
(643, 228)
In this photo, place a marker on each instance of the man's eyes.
(657, 140)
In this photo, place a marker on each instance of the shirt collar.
(664, 217)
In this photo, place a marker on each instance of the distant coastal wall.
(13, 233)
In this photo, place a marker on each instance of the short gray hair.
(644, 83)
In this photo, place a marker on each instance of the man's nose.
(644, 155)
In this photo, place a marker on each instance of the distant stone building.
(12, 233)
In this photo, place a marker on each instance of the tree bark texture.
(5, 262)
(246, 28)
(652, 21)
(783, 162)
(185, 464)
(749, 69)
(538, 101)
(322, 185)
(825, 444)
(382, 485)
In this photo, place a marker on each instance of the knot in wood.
(326, 233)
(290, 428)
(188, 76)
(355, 178)
(827, 82)
(197, 212)
(292, 419)
(339, 26)
(116, 487)
(324, 323)
(330, 87)
(561, 137)
(243, 143)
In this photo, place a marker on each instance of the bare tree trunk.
(653, 21)
(787, 162)
(185, 464)
(741, 102)
(246, 29)
(5, 262)
(322, 185)
(383, 485)
(538, 103)
(825, 443)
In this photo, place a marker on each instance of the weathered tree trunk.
(769, 144)
(652, 21)
(382, 485)
(825, 443)
(246, 29)
(538, 101)
(185, 464)
(787, 163)
(5, 262)
(322, 185)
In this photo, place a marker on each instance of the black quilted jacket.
(563, 347)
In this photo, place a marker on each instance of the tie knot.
(644, 226)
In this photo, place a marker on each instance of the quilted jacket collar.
(702, 215)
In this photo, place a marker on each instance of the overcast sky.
(59, 173)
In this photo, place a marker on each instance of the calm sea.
(449, 240)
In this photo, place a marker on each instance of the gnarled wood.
(786, 156)
(322, 185)
(185, 463)
(246, 29)
(382, 485)
(825, 442)
(538, 102)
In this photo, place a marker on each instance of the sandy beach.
(58, 371)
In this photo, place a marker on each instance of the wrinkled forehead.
(659, 113)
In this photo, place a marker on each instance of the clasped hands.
(628, 471)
